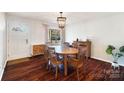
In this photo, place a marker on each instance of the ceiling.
(72, 17)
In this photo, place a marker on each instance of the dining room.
(74, 46)
(63, 46)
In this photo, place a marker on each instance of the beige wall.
(102, 32)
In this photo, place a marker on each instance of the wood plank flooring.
(34, 69)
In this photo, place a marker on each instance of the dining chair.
(50, 51)
(66, 44)
(54, 63)
(47, 58)
(73, 46)
(77, 63)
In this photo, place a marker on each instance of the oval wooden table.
(66, 51)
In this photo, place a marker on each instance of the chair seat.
(80, 65)
(72, 56)
(56, 63)
(77, 64)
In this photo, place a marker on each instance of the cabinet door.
(41, 49)
(35, 50)
(38, 49)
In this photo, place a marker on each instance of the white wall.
(102, 32)
(3, 44)
(37, 30)
(52, 26)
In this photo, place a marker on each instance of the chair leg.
(78, 74)
(56, 74)
(48, 66)
(86, 59)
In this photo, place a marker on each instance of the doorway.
(18, 41)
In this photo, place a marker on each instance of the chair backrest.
(53, 57)
(46, 55)
(74, 45)
(51, 50)
(66, 44)
(81, 53)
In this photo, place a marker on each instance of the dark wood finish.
(65, 52)
(34, 69)
(77, 62)
(56, 63)
(86, 45)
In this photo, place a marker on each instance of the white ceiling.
(72, 17)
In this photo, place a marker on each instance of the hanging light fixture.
(61, 21)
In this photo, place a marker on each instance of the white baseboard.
(15, 58)
(105, 60)
(101, 59)
(2, 71)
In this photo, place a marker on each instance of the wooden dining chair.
(47, 52)
(47, 58)
(66, 44)
(74, 45)
(54, 63)
(50, 51)
(77, 63)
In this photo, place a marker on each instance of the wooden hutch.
(86, 45)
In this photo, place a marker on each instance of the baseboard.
(101, 59)
(1, 74)
(19, 58)
(105, 60)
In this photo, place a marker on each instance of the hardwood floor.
(34, 69)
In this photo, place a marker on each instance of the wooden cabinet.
(86, 45)
(38, 49)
